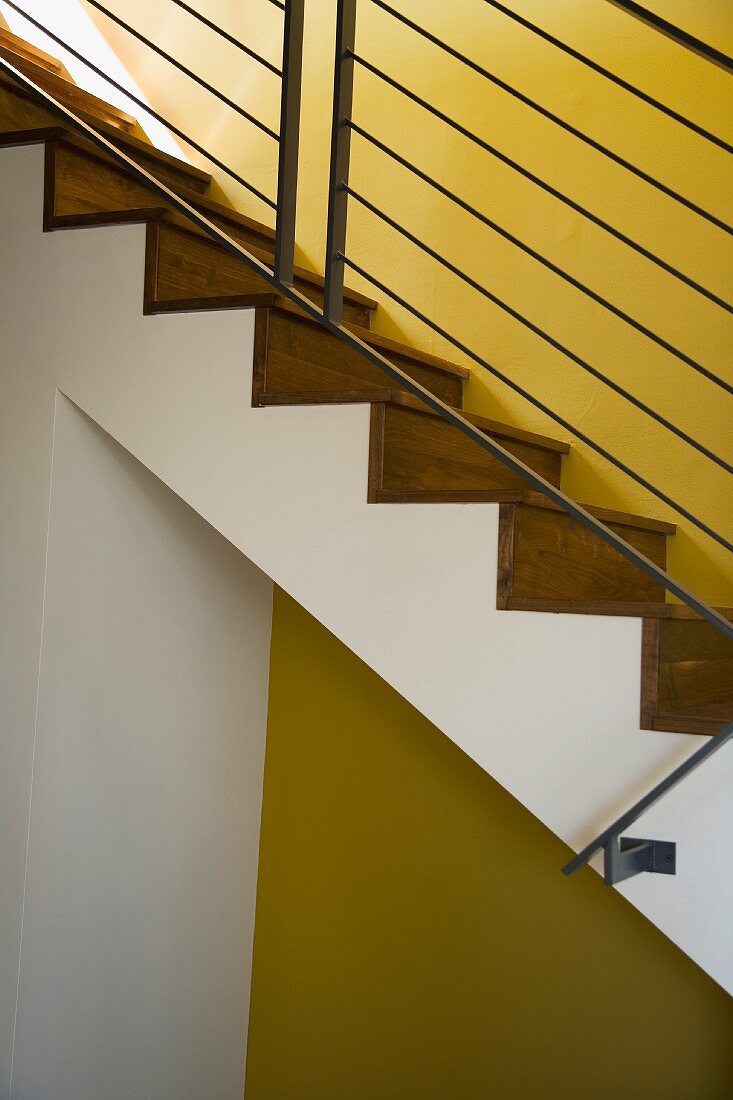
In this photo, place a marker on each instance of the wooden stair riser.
(418, 457)
(194, 272)
(687, 681)
(19, 112)
(294, 356)
(548, 561)
(85, 184)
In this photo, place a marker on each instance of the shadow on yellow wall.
(414, 934)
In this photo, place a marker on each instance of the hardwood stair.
(416, 457)
(299, 362)
(24, 121)
(548, 562)
(687, 673)
(54, 78)
(17, 49)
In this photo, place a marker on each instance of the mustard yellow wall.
(415, 937)
(658, 145)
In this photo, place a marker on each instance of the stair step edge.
(386, 344)
(114, 135)
(14, 44)
(55, 82)
(405, 400)
(313, 278)
(606, 515)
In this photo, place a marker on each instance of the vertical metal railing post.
(287, 178)
(338, 199)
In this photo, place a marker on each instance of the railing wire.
(185, 70)
(228, 37)
(613, 77)
(592, 143)
(540, 332)
(538, 256)
(543, 184)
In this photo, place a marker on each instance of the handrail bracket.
(624, 857)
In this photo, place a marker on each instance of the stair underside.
(547, 561)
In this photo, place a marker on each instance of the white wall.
(548, 704)
(26, 434)
(149, 752)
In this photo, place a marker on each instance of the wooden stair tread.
(682, 611)
(69, 93)
(389, 346)
(606, 515)
(20, 48)
(698, 724)
(687, 673)
(490, 427)
(232, 221)
(406, 400)
(310, 279)
(629, 609)
(538, 500)
(55, 127)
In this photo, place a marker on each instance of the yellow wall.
(415, 937)
(635, 131)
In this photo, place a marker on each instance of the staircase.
(544, 560)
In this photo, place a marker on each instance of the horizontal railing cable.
(613, 77)
(541, 333)
(592, 143)
(681, 37)
(143, 106)
(228, 37)
(538, 256)
(242, 111)
(543, 184)
(540, 405)
(450, 415)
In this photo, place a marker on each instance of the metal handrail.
(682, 38)
(143, 105)
(242, 111)
(287, 169)
(650, 799)
(539, 182)
(242, 46)
(613, 77)
(561, 123)
(540, 332)
(538, 256)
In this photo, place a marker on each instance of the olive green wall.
(414, 935)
